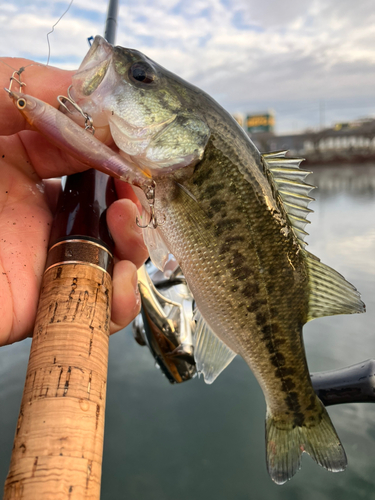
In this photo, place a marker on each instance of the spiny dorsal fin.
(330, 293)
(211, 355)
(293, 191)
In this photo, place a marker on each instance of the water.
(204, 442)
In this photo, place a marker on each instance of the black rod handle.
(352, 384)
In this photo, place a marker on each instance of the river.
(195, 441)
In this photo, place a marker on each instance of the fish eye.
(142, 72)
(21, 103)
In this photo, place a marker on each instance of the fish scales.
(238, 245)
(234, 220)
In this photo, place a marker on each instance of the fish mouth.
(94, 67)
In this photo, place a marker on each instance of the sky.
(310, 61)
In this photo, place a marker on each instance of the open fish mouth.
(94, 67)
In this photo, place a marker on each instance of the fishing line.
(53, 29)
(23, 67)
(9, 66)
(49, 45)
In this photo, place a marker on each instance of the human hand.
(27, 204)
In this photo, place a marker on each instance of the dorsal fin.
(211, 355)
(330, 293)
(289, 182)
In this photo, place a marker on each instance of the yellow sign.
(260, 123)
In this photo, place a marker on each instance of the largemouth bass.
(234, 220)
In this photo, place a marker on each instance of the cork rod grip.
(58, 445)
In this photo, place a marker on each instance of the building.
(353, 142)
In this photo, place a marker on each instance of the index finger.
(43, 82)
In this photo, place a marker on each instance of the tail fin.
(284, 447)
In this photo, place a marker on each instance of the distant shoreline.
(338, 160)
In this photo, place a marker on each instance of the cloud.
(249, 55)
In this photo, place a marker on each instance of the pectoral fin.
(211, 355)
(156, 247)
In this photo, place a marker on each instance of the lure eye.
(142, 73)
(21, 103)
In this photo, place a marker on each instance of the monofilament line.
(53, 29)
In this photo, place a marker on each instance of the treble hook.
(88, 120)
(150, 195)
(18, 80)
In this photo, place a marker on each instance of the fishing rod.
(58, 445)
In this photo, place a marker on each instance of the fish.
(234, 219)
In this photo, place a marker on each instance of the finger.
(125, 190)
(126, 302)
(128, 238)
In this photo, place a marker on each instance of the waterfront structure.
(343, 142)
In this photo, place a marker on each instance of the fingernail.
(137, 294)
(136, 288)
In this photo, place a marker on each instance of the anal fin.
(211, 355)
